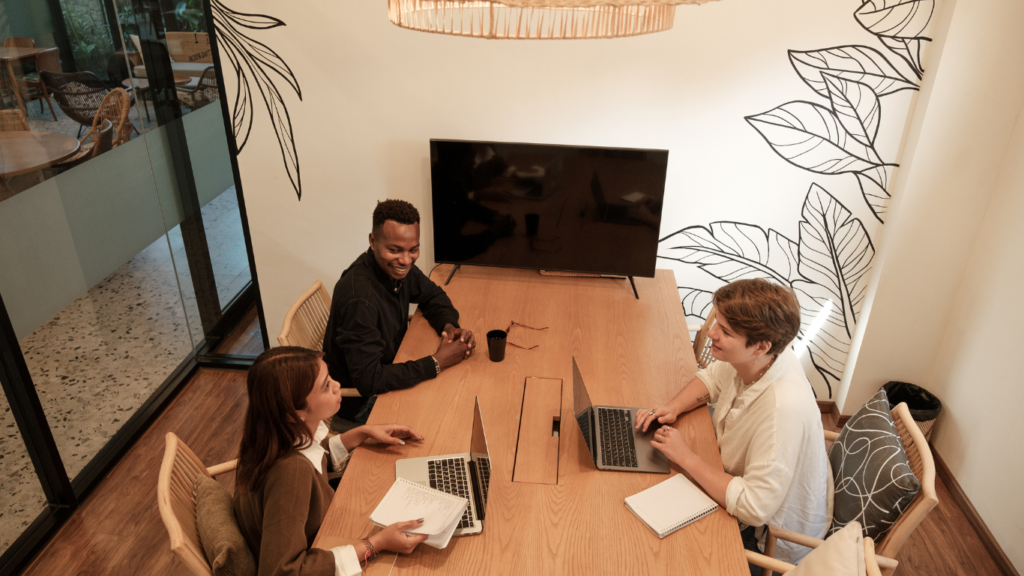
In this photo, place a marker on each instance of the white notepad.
(407, 500)
(670, 505)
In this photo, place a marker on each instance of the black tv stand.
(454, 270)
(633, 284)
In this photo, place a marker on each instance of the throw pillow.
(222, 541)
(842, 554)
(873, 480)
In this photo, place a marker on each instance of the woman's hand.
(662, 415)
(670, 442)
(390, 433)
(395, 539)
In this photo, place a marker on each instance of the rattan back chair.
(79, 94)
(175, 495)
(48, 60)
(13, 121)
(922, 464)
(701, 342)
(19, 43)
(115, 107)
(95, 142)
(306, 322)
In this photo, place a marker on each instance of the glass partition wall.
(124, 257)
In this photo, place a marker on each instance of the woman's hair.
(279, 381)
(761, 311)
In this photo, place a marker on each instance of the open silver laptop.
(467, 475)
(611, 436)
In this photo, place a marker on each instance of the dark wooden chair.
(48, 60)
(204, 92)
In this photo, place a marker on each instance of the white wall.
(977, 369)
(948, 177)
(374, 94)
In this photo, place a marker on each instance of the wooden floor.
(246, 339)
(118, 530)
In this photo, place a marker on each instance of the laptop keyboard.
(449, 475)
(484, 466)
(617, 448)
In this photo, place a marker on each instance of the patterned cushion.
(873, 481)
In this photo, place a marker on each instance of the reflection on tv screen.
(547, 207)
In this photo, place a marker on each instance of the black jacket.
(369, 317)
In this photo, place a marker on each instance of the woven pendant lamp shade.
(536, 19)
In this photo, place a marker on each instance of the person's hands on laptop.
(656, 416)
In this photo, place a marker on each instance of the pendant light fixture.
(536, 19)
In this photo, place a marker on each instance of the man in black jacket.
(370, 310)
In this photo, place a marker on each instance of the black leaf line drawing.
(828, 269)
(813, 137)
(858, 63)
(697, 303)
(834, 253)
(254, 63)
(734, 250)
(835, 258)
(900, 26)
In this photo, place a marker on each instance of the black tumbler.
(496, 344)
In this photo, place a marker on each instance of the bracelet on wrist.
(437, 365)
(370, 554)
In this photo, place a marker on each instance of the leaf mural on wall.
(734, 250)
(256, 65)
(858, 63)
(900, 25)
(835, 254)
(813, 138)
(856, 106)
(697, 303)
(874, 190)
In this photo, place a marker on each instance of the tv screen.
(547, 207)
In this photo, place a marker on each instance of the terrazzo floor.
(96, 361)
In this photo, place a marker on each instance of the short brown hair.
(761, 311)
(278, 383)
(398, 210)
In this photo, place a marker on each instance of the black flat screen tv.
(547, 207)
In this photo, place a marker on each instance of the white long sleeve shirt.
(771, 440)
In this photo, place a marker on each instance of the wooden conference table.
(630, 352)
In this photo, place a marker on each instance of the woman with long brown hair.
(281, 490)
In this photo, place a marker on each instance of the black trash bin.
(924, 406)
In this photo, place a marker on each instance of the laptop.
(467, 475)
(614, 213)
(609, 431)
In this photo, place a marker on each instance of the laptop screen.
(480, 460)
(584, 410)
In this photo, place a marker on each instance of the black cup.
(496, 344)
(532, 224)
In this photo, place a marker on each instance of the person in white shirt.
(281, 490)
(766, 419)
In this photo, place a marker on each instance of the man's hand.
(451, 352)
(451, 333)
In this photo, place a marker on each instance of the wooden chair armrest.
(350, 393)
(768, 563)
(219, 469)
(887, 565)
(693, 327)
(794, 537)
(831, 436)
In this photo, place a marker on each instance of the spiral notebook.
(670, 505)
